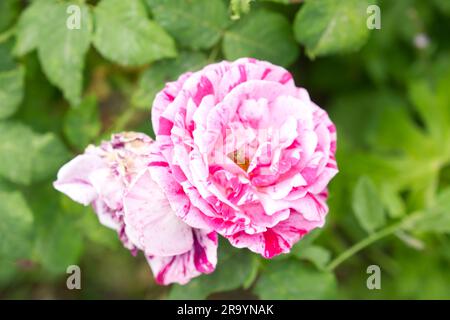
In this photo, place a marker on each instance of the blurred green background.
(387, 90)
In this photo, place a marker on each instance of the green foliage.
(15, 226)
(82, 123)
(153, 79)
(28, 156)
(234, 269)
(11, 91)
(330, 26)
(264, 35)
(294, 280)
(367, 205)
(125, 35)
(386, 90)
(194, 24)
(61, 49)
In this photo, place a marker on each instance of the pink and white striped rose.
(116, 178)
(250, 151)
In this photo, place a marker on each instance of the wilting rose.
(248, 152)
(117, 179)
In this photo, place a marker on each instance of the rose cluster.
(240, 152)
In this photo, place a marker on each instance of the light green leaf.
(318, 255)
(238, 7)
(16, 164)
(28, 156)
(152, 80)
(367, 205)
(44, 25)
(431, 99)
(235, 268)
(263, 35)
(435, 219)
(195, 24)
(291, 279)
(16, 222)
(48, 154)
(29, 26)
(62, 50)
(11, 91)
(82, 123)
(125, 35)
(331, 26)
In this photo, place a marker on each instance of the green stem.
(214, 53)
(7, 34)
(369, 240)
(122, 121)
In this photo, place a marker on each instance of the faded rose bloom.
(250, 151)
(116, 178)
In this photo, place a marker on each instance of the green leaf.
(237, 7)
(9, 10)
(431, 100)
(59, 244)
(62, 50)
(28, 156)
(291, 279)
(435, 219)
(45, 26)
(235, 268)
(16, 222)
(263, 35)
(11, 91)
(125, 35)
(16, 164)
(318, 255)
(48, 154)
(367, 205)
(330, 26)
(29, 26)
(195, 24)
(82, 123)
(153, 79)
(443, 5)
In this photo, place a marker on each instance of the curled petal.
(150, 221)
(201, 258)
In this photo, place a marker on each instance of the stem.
(214, 53)
(7, 34)
(122, 121)
(369, 240)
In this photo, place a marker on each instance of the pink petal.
(74, 180)
(201, 258)
(150, 221)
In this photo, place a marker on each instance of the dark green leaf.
(292, 279)
(153, 79)
(234, 269)
(82, 123)
(195, 24)
(263, 35)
